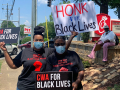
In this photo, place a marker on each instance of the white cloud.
(42, 1)
(27, 23)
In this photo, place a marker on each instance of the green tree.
(10, 24)
(51, 29)
(51, 18)
(26, 39)
(22, 30)
(65, 2)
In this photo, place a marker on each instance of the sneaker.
(104, 60)
(90, 57)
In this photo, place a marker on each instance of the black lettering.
(79, 27)
(94, 25)
(70, 27)
(57, 28)
(85, 26)
(65, 29)
(74, 29)
(62, 29)
(90, 25)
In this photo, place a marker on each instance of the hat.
(106, 26)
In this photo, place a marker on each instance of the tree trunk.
(104, 7)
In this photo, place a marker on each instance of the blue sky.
(43, 10)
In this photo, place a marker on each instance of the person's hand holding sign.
(2, 46)
(74, 33)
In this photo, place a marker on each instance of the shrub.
(85, 63)
(85, 36)
(26, 39)
(14, 44)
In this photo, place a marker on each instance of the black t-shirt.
(32, 62)
(70, 60)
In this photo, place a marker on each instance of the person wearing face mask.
(32, 59)
(65, 60)
(107, 39)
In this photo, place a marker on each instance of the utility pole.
(19, 24)
(79, 35)
(12, 9)
(7, 15)
(33, 19)
(36, 13)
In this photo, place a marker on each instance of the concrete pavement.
(8, 76)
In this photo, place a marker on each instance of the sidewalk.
(9, 77)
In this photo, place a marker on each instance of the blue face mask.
(60, 49)
(38, 45)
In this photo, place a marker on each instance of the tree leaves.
(10, 24)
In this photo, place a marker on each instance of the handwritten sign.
(79, 17)
(54, 81)
(9, 35)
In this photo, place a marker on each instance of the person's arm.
(70, 39)
(80, 67)
(78, 81)
(7, 56)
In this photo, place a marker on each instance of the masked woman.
(107, 39)
(63, 59)
(32, 59)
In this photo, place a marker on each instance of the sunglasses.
(59, 44)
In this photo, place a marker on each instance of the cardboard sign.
(9, 35)
(27, 30)
(98, 47)
(78, 17)
(103, 19)
(54, 80)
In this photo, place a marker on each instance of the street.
(10, 55)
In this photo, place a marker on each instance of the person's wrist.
(4, 51)
(78, 81)
(72, 36)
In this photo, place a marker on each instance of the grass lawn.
(116, 87)
(0, 64)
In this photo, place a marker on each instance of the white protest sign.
(78, 17)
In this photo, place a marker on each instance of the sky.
(26, 8)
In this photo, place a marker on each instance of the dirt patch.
(110, 83)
